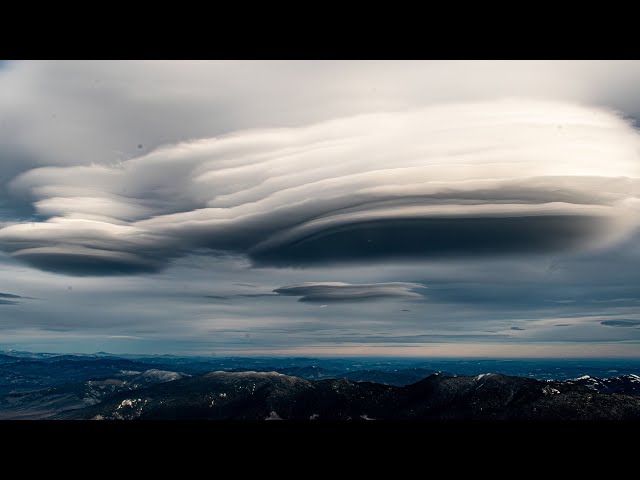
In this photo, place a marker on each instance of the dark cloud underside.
(80, 265)
(429, 238)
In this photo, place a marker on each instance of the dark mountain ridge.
(273, 396)
(44, 403)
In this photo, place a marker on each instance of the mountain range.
(107, 387)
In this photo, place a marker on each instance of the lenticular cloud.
(348, 292)
(484, 178)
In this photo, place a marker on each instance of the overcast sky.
(321, 208)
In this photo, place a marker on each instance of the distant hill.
(629, 384)
(41, 404)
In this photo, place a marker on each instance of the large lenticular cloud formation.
(483, 178)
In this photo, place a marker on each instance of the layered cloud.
(326, 292)
(478, 178)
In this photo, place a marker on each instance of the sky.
(383, 208)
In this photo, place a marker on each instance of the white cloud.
(567, 173)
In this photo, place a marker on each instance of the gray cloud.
(9, 299)
(9, 295)
(172, 312)
(621, 323)
(436, 182)
(345, 292)
(239, 295)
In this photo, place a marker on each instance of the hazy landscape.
(103, 386)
